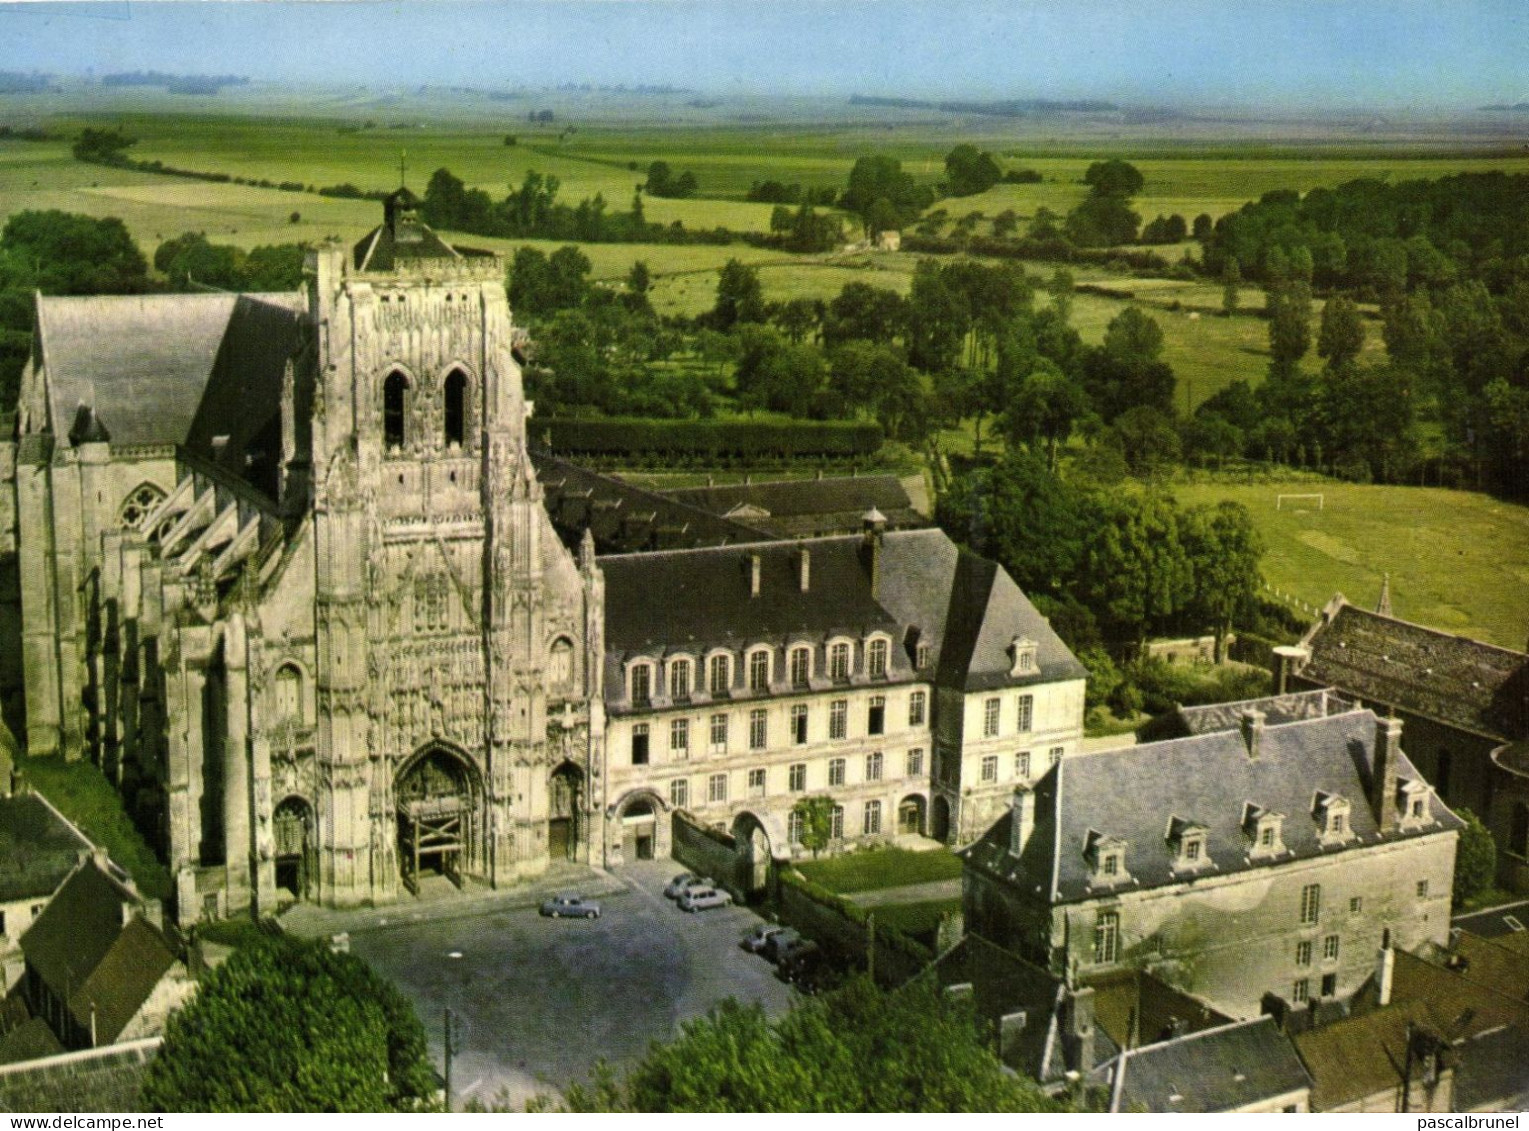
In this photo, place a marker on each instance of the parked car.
(685, 880)
(779, 942)
(568, 905)
(755, 940)
(785, 951)
(802, 967)
(701, 898)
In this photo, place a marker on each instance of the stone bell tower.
(447, 612)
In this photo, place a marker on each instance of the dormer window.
(679, 679)
(838, 662)
(1186, 840)
(642, 684)
(1331, 814)
(1022, 652)
(759, 670)
(1264, 830)
(1107, 855)
(720, 674)
(1413, 801)
(801, 666)
(876, 658)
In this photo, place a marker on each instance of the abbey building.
(287, 574)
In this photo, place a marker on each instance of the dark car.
(779, 943)
(570, 906)
(801, 966)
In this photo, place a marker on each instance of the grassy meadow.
(1459, 561)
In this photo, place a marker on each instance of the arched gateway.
(439, 795)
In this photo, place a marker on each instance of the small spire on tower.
(1383, 606)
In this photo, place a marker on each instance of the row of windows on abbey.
(684, 678)
(799, 732)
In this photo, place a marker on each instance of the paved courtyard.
(539, 1002)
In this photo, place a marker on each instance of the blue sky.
(1382, 53)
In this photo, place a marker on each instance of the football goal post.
(1297, 500)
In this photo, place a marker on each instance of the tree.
(1045, 409)
(796, 317)
(1135, 574)
(1133, 336)
(1202, 227)
(817, 817)
(63, 253)
(938, 319)
(1289, 325)
(189, 258)
(857, 1049)
(740, 298)
(1341, 335)
(1231, 280)
(287, 1025)
(969, 170)
(1475, 859)
(881, 179)
(1224, 551)
(1149, 441)
(873, 314)
(1114, 178)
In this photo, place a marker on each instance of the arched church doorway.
(939, 824)
(437, 793)
(295, 856)
(565, 807)
(752, 843)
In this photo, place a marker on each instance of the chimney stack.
(1287, 657)
(804, 567)
(1023, 822)
(1385, 965)
(755, 566)
(874, 524)
(1383, 773)
(1080, 1029)
(1253, 731)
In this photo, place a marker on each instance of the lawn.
(881, 868)
(1458, 560)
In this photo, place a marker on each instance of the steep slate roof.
(142, 361)
(81, 948)
(104, 1079)
(1132, 793)
(966, 608)
(38, 849)
(1221, 1069)
(29, 1041)
(624, 518)
(1277, 709)
(1462, 682)
(807, 507)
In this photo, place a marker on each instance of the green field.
(1459, 561)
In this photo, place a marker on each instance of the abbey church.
(291, 574)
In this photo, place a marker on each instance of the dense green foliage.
(189, 259)
(1130, 564)
(854, 1050)
(712, 439)
(1475, 859)
(969, 170)
(884, 196)
(287, 1025)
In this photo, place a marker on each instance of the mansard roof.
(965, 608)
(1452, 679)
(144, 361)
(1131, 793)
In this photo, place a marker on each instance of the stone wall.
(708, 852)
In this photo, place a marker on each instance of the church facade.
(286, 574)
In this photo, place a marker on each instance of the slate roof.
(38, 848)
(1277, 709)
(104, 1079)
(807, 507)
(1136, 1008)
(403, 238)
(966, 608)
(84, 952)
(1223, 1069)
(1132, 793)
(1452, 679)
(29, 1041)
(624, 518)
(142, 361)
